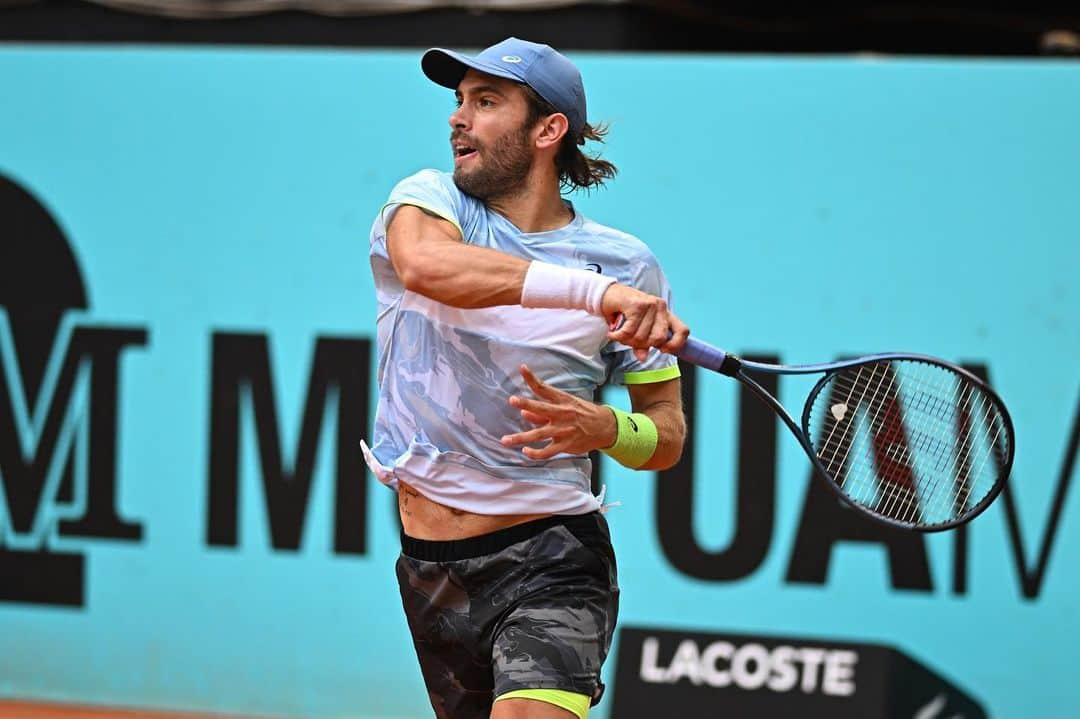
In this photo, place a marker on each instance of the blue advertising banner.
(186, 371)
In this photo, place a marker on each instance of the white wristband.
(554, 286)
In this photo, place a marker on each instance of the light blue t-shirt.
(445, 374)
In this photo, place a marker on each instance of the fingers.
(550, 412)
(539, 388)
(544, 452)
(627, 328)
(528, 437)
(653, 332)
(650, 324)
(533, 417)
(645, 327)
(556, 436)
(642, 321)
(677, 340)
(538, 408)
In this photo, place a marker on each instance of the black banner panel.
(661, 672)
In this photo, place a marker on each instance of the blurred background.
(186, 346)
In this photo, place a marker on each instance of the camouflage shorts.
(528, 607)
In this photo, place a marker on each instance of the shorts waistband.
(580, 525)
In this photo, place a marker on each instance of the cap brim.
(447, 68)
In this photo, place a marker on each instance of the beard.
(503, 170)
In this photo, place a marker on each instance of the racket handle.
(703, 354)
(695, 352)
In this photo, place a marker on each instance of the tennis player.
(495, 303)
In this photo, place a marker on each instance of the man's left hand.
(569, 424)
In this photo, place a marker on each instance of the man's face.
(492, 147)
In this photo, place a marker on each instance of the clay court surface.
(34, 710)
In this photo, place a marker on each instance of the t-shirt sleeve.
(625, 368)
(429, 190)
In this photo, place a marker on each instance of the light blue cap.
(541, 67)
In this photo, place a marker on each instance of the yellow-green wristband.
(635, 438)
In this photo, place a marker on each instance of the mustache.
(458, 136)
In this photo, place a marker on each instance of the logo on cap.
(511, 58)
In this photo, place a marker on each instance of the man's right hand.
(646, 321)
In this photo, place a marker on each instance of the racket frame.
(713, 358)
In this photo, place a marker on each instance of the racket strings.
(996, 454)
(903, 498)
(850, 425)
(960, 450)
(892, 450)
(921, 440)
(899, 499)
(909, 440)
(961, 488)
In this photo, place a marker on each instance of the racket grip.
(702, 354)
(694, 351)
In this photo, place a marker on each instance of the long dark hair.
(577, 170)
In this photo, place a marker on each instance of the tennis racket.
(912, 441)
